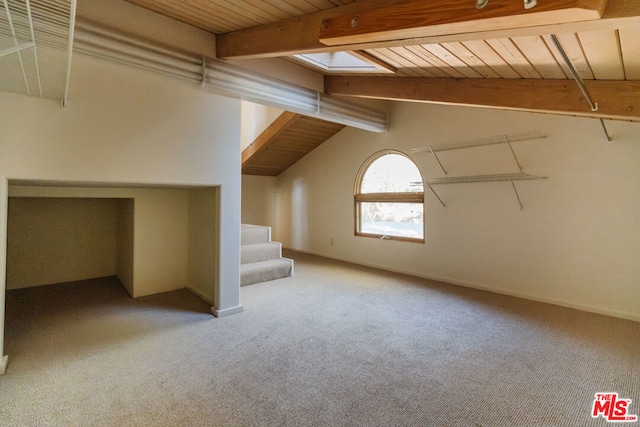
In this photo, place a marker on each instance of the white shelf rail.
(223, 77)
(511, 177)
(479, 142)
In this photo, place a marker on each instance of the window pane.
(392, 219)
(392, 173)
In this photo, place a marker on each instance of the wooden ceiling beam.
(428, 18)
(278, 127)
(617, 100)
(302, 34)
(287, 37)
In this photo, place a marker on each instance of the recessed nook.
(153, 238)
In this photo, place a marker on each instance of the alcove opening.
(54, 240)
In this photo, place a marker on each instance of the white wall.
(126, 237)
(153, 260)
(137, 21)
(255, 119)
(203, 259)
(575, 243)
(160, 247)
(54, 240)
(126, 126)
(259, 199)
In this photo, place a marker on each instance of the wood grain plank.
(305, 6)
(419, 60)
(321, 4)
(618, 100)
(314, 128)
(396, 61)
(257, 11)
(419, 18)
(602, 50)
(471, 59)
(287, 140)
(630, 45)
(539, 56)
(489, 56)
(301, 132)
(571, 46)
(434, 64)
(301, 34)
(240, 11)
(269, 8)
(206, 10)
(413, 61)
(197, 17)
(514, 57)
(286, 7)
(452, 60)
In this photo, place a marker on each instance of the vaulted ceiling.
(572, 57)
(494, 53)
(288, 139)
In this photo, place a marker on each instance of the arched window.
(389, 198)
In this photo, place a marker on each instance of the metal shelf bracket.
(519, 176)
(515, 190)
(479, 142)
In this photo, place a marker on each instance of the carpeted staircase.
(261, 259)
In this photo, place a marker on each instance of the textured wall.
(575, 243)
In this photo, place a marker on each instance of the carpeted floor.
(338, 345)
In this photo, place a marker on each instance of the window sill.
(386, 237)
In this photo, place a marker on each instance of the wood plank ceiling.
(223, 16)
(605, 54)
(284, 142)
(500, 56)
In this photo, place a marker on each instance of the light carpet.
(338, 345)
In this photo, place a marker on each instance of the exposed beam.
(289, 36)
(617, 100)
(428, 18)
(302, 34)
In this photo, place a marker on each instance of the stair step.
(260, 252)
(251, 234)
(261, 259)
(263, 271)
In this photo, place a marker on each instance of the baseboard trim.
(227, 311)
(482, 287)
(3, 364)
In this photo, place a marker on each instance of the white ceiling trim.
(223, 77)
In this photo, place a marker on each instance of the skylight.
(345, 62)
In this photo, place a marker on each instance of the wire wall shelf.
(36, 43)
(519, 176)
(479, 142)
